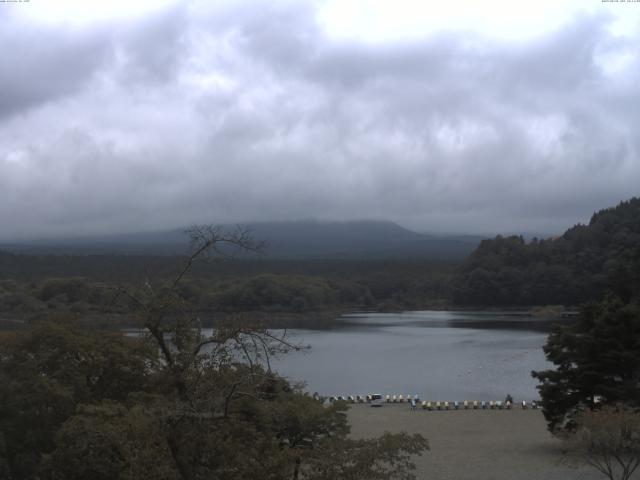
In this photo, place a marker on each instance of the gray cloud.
(250, 112)
(40, 63)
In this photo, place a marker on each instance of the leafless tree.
(609, 439)
(174, 325)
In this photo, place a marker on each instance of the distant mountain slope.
(302, 239)
(358, 239)
(581, 265)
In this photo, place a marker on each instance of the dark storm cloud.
(250, 112)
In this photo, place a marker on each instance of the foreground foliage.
(597, 363)
(173, 403)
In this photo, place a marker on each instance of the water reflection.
(511, 320)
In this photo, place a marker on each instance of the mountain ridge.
(285, 239)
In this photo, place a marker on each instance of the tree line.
(579, 266)
(296, 294)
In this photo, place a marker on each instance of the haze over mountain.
(448, 117)
(296, 239)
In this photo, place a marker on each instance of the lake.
(439, 355)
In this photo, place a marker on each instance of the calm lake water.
(438, 355)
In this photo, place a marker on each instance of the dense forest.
(581, 265)
(305, 272)
(86, 286)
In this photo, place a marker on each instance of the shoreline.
(476, 444)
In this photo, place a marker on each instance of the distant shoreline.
(314, 320)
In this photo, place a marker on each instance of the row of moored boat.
(436, 405)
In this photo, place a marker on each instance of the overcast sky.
(476, 117)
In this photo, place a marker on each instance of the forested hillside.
(581, 265)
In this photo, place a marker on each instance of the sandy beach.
(476, 444)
